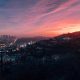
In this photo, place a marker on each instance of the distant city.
(20, 56)
(12, 44)
(11, 47)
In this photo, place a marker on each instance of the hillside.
(52, 59)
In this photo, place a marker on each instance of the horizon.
(39, 36)
(31, 18)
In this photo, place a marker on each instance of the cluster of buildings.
(10, 48)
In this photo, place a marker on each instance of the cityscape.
(32, 55)
(9, 45)
(39, 39)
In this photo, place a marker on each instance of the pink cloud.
(44, 17)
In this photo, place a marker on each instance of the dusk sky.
(39, 17)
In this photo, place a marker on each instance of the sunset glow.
(39, 17)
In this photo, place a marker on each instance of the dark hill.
(73, 35)
(52, 59)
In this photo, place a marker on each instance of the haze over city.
(39, 39)
(39, 17)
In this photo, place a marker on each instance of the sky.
(39, 17)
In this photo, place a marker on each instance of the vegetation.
(54, 59)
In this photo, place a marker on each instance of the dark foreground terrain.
(53, 59)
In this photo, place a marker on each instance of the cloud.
(38, 16)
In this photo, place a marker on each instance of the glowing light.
(72, 28)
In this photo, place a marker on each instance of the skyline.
(39, 17)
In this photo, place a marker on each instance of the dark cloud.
(16, 3)
(53, 4)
